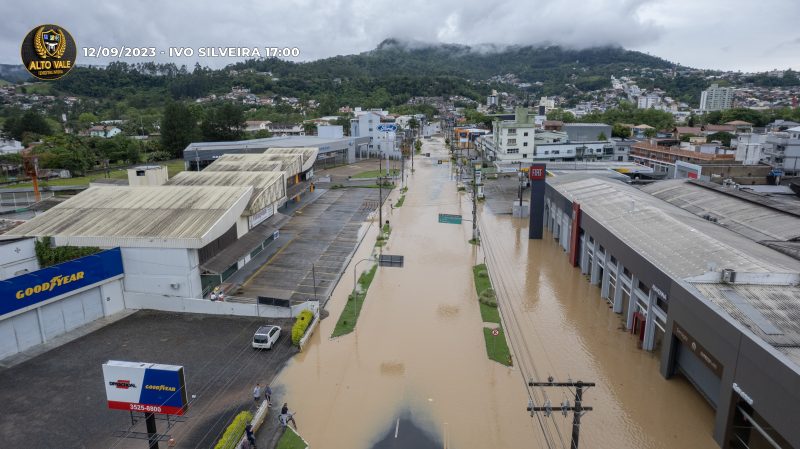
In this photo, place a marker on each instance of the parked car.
(266, 336)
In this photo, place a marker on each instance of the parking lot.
(324, 235)
(57, 400)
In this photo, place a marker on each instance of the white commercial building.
(382, 136)
(199, 225)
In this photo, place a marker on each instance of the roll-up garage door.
(699, 374)
(81, 308)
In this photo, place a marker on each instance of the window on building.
(619, 158)
(525, 134)
(511, 142)
(556, 151)
(524, 144)
(512, 131)
(524, 155)
(513, 151)
(547, 152)
(569, 151)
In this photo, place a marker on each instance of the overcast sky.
(719, 34)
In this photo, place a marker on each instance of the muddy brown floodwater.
(418, 350)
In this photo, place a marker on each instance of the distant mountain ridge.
(14, 73)
(391, 73)
(393, 57)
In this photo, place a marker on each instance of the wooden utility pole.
(577, 409)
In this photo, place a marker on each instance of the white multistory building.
(716, 98)
(382, 136)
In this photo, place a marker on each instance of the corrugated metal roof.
(292, 164)
(269, 187)
(309, 154)
(245, 162)
(755, 221)
(680, 243)
(777, 304)
(161, 216)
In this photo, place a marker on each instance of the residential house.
(252, 126)
(104, 131)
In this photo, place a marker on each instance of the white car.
(266, 337)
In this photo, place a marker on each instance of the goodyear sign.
(145, 387)
(32, 288)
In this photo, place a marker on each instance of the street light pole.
(380, 195)
(355, 283)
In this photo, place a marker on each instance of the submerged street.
(415, 372)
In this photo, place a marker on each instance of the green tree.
(310, 129)
(561, 115)
(650, 132)
(344, 122)
(223, 123)
(65, 151)
(619, 130)
(30, 122)
(602, 136)
(722, 136)
(418, 146)
(178, 128)
(87, 119)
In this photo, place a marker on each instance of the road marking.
(267, 262)
(397, 428)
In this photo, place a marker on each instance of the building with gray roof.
(717, 306)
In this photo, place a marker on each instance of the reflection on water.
(419, 346)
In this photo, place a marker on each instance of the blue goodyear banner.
(32, 288)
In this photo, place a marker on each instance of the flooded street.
(417, 358)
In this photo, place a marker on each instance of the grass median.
(496, 346)
(355, 301)
(290, 440)
(375, 173)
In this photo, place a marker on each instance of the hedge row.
(233, 434)
(300, 325)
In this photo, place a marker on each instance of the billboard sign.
(145, 387)
(32, 288)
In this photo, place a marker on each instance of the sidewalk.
(271, 430)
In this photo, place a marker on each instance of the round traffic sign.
(495, 332)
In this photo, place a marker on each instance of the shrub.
(233, 434)
(157, 156)
(49, 255)
(488, 297)
(300, 325)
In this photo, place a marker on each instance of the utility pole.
(380, 195)
(474, 205)
(577, 410)
(519, 175)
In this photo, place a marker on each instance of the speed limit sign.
(495, 332)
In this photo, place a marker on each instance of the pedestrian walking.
(251, 438)
(286, 416)
(268, 395)
(257, 393)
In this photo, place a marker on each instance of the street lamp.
(355, 295)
